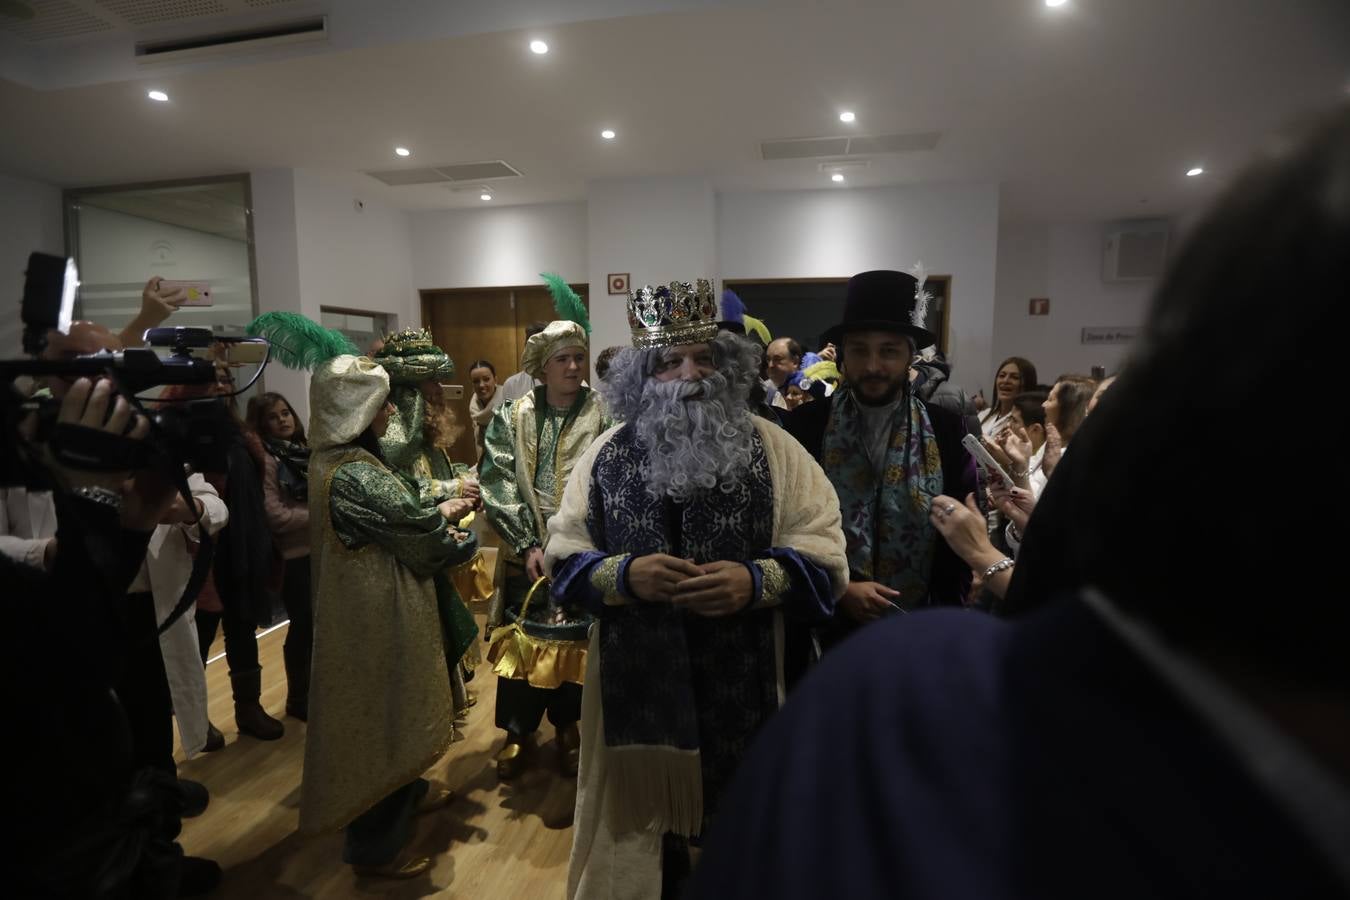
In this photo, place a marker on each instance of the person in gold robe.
(381, 709)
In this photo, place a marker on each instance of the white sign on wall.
(1107, 335)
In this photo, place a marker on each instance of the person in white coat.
(168, 565)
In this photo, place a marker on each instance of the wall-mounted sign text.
(1107, 335)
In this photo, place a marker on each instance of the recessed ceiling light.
(1053, 3)
(538, 47)
(1192, 172)
(403, 151)
(608, 134)
(158, 95)
(837, 177)
(847, 117)
(484, 197)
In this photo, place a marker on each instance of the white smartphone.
(198, 292)
(985, 459)
(453, 391)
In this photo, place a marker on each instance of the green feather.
(299, 342)
(566, 301)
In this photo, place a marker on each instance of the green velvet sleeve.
(506, 508)
(371, 505)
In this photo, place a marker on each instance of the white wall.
(1062, 262)
(30, 219)
(657, 230)
(951, 229)
(314, 248)
(352, 259)
(498, 246)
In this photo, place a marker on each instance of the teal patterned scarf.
(889, 537)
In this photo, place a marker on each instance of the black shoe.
(195, 798)
(198, 876)
(214, 739)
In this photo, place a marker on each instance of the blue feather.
(733, 310)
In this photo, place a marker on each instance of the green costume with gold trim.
(529, 451)
(411, 358)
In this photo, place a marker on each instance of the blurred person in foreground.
(1169, 714)
(93, 816)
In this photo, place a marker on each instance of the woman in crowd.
(486, 398)
(1014, 376)
(1065, 409)
(286, 506)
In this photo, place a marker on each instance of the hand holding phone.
(198, 292)
(985, 459)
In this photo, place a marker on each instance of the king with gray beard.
(697, 532)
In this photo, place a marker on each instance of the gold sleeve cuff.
(774, 585)
(605, 579)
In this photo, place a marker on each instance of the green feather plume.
(299, 342)
(566, 301)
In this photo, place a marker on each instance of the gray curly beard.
(697, 434)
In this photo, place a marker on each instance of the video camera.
(193, 432)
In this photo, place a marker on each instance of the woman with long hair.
(286, 505)
(1013, 376)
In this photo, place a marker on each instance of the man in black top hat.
(888, 454)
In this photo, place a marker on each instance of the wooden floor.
(495, 841)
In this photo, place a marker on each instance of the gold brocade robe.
(380, 700)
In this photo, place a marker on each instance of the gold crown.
(670, 315)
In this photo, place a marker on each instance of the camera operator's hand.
(87, 405)
(157, 305)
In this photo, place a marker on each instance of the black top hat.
(880, 300)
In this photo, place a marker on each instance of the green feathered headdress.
(566, 302)
(299, 342)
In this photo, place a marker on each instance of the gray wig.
(699, 434)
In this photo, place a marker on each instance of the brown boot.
(511, 758)
(569, 750)
(249, 716)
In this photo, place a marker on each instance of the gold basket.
(545, 662)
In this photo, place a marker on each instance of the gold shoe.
(511, 758)
(438, 797)
(569, 747)
(399, 871)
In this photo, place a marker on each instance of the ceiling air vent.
(281, 33)
(482, 171)
(861, 145)
(492, 170)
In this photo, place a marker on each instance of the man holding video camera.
(80, 642)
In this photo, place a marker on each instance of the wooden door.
(488, 323)
(535, 304)
(469, 327)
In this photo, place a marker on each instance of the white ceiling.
(1092, 111)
